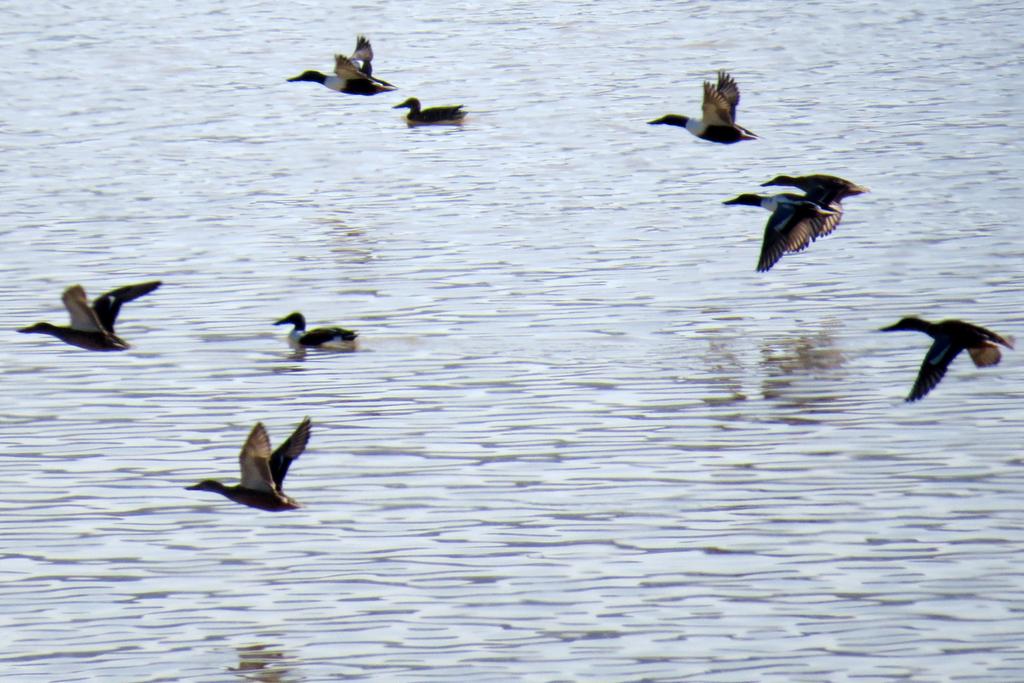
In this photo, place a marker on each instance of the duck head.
(910, 323)
(314, 76)
(787, 180)
(296, 319)
(412, 104)
(670, 120)
(209, 485)
(746, 200)
(39, 328)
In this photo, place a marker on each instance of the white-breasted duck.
(328, 338)
(263, 472)
(352, 75)
(827, 190)
(92, 327)
(434, 116)
(718, 117)
(951, 337)
(790, 228)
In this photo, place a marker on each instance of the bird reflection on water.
(263, 664)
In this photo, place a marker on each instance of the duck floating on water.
(328, 338)
(718, 118)
(951, 337)
(790, 228)
(826, 190)
(435, 116)
(92, 327)
(263, 472)
(352, 75)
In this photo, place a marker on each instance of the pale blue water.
(584, 439)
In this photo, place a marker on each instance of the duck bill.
(891, 328)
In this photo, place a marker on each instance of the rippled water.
(584, 440)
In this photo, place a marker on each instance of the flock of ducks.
(795, 222)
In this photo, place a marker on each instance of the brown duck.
(92, 327)
(263, 472)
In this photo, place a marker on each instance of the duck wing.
(790, 229)
(441, 114)
(363, 53)
(254, 461)
(985, 355)
(83, 317)
(716, 110)
(729, 91)
(825, 224)
(933, 369)
(346, 69)
(109, 305)
(322, 335)
(290, 450)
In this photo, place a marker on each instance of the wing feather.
(715, 110)
(254, 461)
(289, 451)
(933, 369)
(109, 305)
(83, 318)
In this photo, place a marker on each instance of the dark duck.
(352, 75)
(828, 191)
(718, 117)
(950, 338)
(92, 327)
(790, 228)
(263, 472)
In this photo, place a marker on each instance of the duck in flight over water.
(263, 472)
(825, 190)
(718, 117)
(92, 327)
(790, 228)
(950, 338)
(352, 75)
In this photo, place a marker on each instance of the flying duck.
(92, 327)
(332, 338)
(352, 75)
(262, 472)
(790, 228)
(718, 122)
(437, 116)
(826, 190)
(951, 337)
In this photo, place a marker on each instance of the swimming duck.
(790, 228)
(332, 338)
(718, 122)
(827, 190)
(434, 116)
(262, 472)
(92, 327)
(951, 337)
(352, 75)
